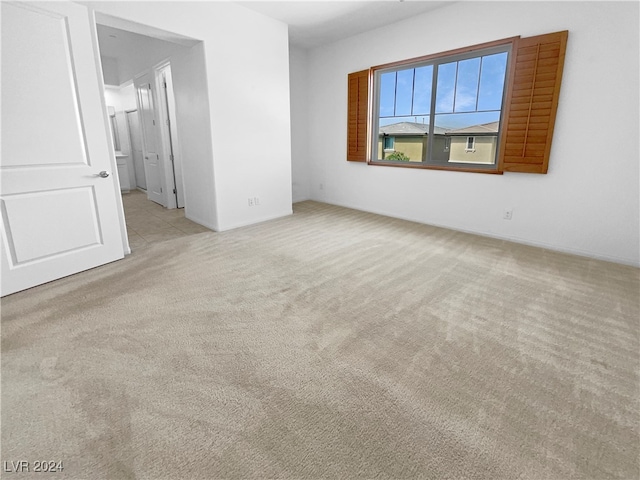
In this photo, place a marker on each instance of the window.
(388, 143)
(425, 101)
(471, 144)
(487, 108)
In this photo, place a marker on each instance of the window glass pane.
(422, 90)
(404, 92)
(494, 70)
(446, 87)
(404, 139)
(403, 125)
(467, 85)
(466, 138)
(387, 94)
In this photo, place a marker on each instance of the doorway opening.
(139, 74)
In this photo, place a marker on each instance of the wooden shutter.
(357, 115)
(532, 102)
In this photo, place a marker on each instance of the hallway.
(148, 222)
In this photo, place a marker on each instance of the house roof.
(409, 128)
(491, 127)
(413, 129)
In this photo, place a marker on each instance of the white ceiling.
(118, 27)
(117, 43)
(313, 23)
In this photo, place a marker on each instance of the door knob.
(103, 174)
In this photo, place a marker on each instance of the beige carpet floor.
(331, 344)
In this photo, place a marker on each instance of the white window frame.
(471, 148)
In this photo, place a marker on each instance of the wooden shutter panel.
(357, 113)
(532, 102)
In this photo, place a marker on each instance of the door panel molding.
(56, 101)
(24, 215)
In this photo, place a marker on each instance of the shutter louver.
(532, 103)
(357, 116)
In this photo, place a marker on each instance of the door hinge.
(160, 189)
(171, 157)
(174, 191)
(154, 122)
(165, 84)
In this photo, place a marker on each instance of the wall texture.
(587, 204)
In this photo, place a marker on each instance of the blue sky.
(468, 92)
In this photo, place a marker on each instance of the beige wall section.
(416, 149)
(484, 152)
(413, 147)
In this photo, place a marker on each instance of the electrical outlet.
(251, 202)
(507, 214)
(256, 200)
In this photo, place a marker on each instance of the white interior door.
(136, 148)
(150, 137)
(59, 216)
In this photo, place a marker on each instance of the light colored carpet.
(330, 344)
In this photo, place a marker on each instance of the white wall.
(588, 203)
(244, 91)
(300, 168)
(192, 111)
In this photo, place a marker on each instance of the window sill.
(402, 164)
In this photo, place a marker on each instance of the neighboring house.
(474, 144)
(408, 138)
